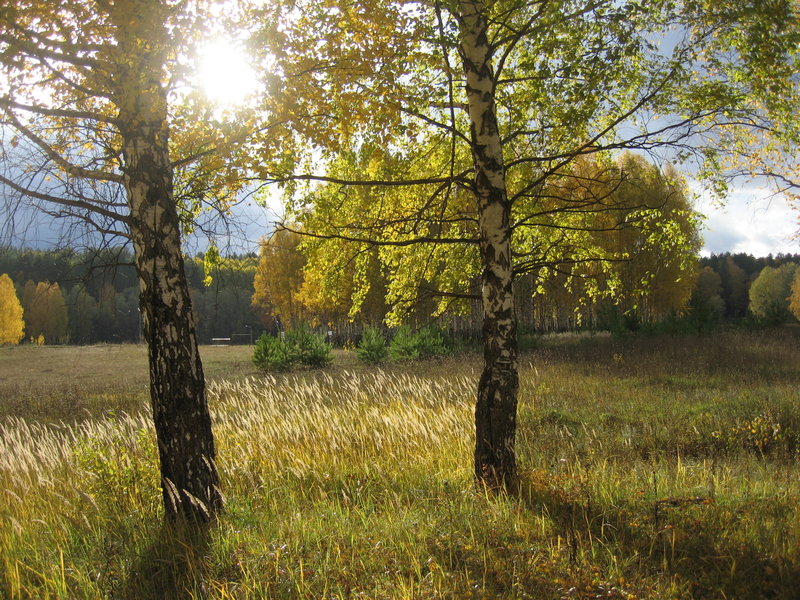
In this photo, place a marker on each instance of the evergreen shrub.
(372, 348)
(310, 348)
(298, 347)
(272, 353)
(404, 345)
(432, 342)
(428, 342)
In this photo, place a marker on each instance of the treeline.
(735, 287)
(88, 297)
(722, 288)
(84, 297)
(656, 292)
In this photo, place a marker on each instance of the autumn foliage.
(45, 312)
(12, 325)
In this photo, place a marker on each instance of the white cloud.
(751, 220)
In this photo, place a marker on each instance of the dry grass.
(65, 383)
(651, 468)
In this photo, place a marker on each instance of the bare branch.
(365, 182)
(81, 204)
(39, 52)
(7, 103)
(374, 242)
(59, 160)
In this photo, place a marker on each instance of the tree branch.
(110, 214)
(7, 103)
(374, 242)
(59, 160)
(363, 182)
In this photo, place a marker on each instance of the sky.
(252, 223)
(751, 220)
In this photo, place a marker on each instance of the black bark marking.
(189, 478)
(496, 405)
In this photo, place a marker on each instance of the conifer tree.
(82, 309)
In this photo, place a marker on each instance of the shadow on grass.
(172, 567)
(676, 536)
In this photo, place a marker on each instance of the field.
(651, 467)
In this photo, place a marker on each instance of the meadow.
(651, 467)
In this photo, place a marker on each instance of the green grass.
(660, 467)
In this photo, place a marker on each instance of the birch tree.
(46, 313)
(278, 279)
(86, 132)
(461, 120)
(771, 293)
(12, 325)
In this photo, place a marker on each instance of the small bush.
(427, 343)
(404, 345)
(762, 434)
(372, 348)
(432, 342)
(119, 464)
(310, 348)
(299, 347)
(273, 354)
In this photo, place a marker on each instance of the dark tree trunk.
(496, 407)
(189, 479)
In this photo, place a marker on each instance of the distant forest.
(100, 293)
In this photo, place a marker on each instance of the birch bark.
(189, 479)
(496, 406)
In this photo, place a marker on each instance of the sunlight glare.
(225, 75)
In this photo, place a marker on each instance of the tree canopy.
(771, 292)
(455, 131)
(12, 325)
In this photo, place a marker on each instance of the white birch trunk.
(496, 407)
(190, 483)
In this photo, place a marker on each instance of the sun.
(225, 74)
